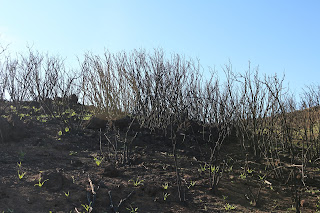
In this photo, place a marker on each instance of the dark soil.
(66, 164)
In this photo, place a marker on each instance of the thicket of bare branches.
(163, 91)
(169, 94)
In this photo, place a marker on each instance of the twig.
(115, 209)
(123, 200)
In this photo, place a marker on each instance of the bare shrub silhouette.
(172, 97)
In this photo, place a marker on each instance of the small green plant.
(60, 133)
(229, 207)
(73, 153)
(262, 177)
(21, 175)
(67, 194)
(272, 189)
(165, 185)
(67, 129)
(14, 109)
(73, 180)
(230, 169)
(132, 210)
(224, 197)
(164, 166)
(165, 196)
(192, 183)
(316, 169)
(87, 207)
(40, 184)
(214, 169)
(73, 114)
(243, 176)
(137, 182)
(252, 203)
(19, 164)
(87, 117)
(203, 168)
(291, 209)
(249, 171)
(35, 109)
(313, 191)
(98, 160)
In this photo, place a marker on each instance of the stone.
(101, 122)
(111, 171)
(124, 123)
(12, 129)
(96, 123)
(56, 181)
(73, 99)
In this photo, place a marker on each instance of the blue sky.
(279, 36)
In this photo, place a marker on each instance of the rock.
(73, 99)
(111, 171)
(124, 123)
(12, 129)
(304, 203)
(192, 127)
(101, 122)
(56, 181)
(96, 123)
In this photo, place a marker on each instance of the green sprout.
(67, 129)
(230, 169)
(192, 183)
(35, 109)
(40, 184)
(73, 153)
(224, 197)
(14, 109)
(88, 208)
(262, 177)
(249, 171)
(73, 179)
(165, 186)
(214, 169)
(86, 117)
(165, 196)
(21, 175)
(132, 210)
(228, 207)
(243, 176)
(66, 194)
(19, 164)
(60, 133)
(137, 182)
(291, 209)
(203, 168)
(98, 160)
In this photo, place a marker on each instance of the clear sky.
(279, 36)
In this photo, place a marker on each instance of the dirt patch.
(43, 169)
